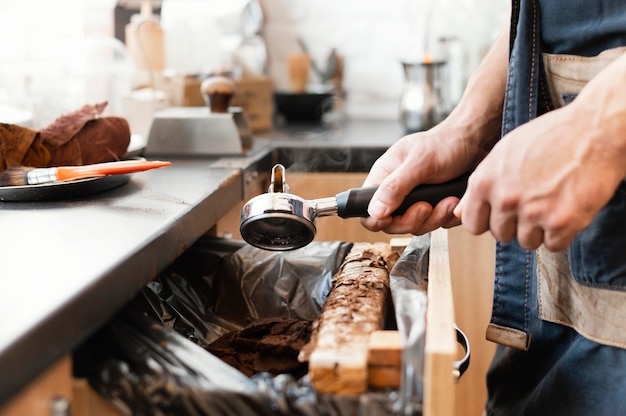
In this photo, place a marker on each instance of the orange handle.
(65, 173)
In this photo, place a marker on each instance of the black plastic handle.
(354, 202)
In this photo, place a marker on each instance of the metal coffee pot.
(423, 103)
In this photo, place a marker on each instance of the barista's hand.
(545, 181)
(442, 153)
(420, 158)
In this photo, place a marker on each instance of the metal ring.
(460, 366)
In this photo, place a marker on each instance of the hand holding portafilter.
(282, 221)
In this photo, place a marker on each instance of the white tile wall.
(375, 36)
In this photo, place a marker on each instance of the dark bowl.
(303, 107)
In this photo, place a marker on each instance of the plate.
(56, 191)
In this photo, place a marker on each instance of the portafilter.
(280, 221)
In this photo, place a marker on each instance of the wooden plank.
(472, 264)
(87, 402)
(36, 399)
(354, 308)
(398, 244)
(384, 377)
(385, 348)
(384, 359)
(440, 348)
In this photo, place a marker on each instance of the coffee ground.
(267, 345)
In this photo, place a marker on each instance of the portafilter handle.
(354, 202)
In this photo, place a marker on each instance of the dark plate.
(61, 190)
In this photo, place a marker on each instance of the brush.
(23, 175)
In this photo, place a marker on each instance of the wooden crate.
(255, 94)
(182, 91)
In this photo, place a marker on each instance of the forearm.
(454, 146)
(602, 106)
(477, 118)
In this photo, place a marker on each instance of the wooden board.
(384, 359)
(36, 398)
(355, 307)
(440, 348)
(87, 402)
(472, 264)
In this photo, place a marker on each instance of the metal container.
(423, 104)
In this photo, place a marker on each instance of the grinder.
(281, 221)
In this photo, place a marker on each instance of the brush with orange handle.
(23, 175)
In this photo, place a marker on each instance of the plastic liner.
(408, 281)
(156, 371)
(222, 285)
(152, 368)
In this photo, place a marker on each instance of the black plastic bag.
(153, 370)
(150, 367)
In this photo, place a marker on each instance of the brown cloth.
(78, 138)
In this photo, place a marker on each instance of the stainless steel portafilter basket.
(281, 221)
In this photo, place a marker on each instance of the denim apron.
(561, 317)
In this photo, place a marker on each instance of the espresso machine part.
(280, 221)
(218, 92)
(218, 129)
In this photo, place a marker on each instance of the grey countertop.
(68, 266)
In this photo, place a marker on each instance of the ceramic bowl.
(307, 106)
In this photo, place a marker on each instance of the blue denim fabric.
(561, 373)
(510, 308)
(600, 22)
(598, 254)
(511, 295)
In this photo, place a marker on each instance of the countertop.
(68, 266)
